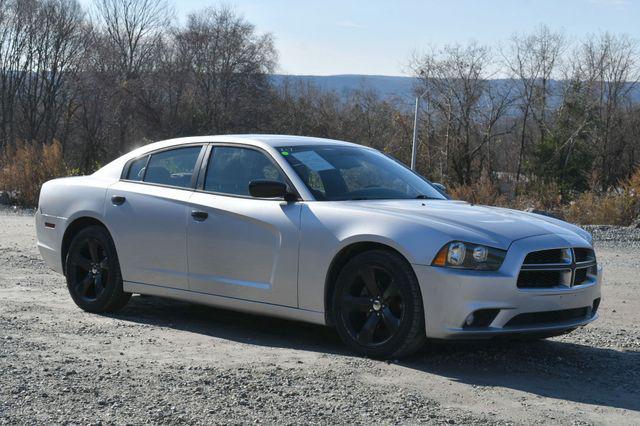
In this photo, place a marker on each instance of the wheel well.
(72, 230)
(339, 261)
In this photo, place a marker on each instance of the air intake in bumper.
(533, 319)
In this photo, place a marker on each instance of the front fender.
(326, 230)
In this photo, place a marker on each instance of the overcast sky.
(324, 37)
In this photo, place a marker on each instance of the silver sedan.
(314, 230)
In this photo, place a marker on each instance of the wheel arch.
(341, 258)
(75, 226)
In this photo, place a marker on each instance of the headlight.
(458, 254)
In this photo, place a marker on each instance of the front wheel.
(378, 306)
(93, 272)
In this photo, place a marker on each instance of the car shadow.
(547, 368)
(550, 368)
(231, 325)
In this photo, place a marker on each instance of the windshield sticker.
(312, 160)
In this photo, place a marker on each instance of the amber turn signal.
(441, 257)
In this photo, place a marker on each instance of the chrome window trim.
(194, 177)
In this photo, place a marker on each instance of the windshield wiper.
(425, 197)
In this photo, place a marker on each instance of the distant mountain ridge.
(384, 85)
(398, 87)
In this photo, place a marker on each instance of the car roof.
(114, 168)
(258, 139)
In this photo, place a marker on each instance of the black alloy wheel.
(93, 271)
(90, 268)
(372, 306)
(377, 305)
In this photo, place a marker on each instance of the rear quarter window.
(136, 169)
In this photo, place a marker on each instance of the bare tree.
(132, 29)
(607, 66)
(130, 32)
(227, 63)
(532, 59)
(465, 105)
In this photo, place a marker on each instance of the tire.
(377, 306)
(93, 273)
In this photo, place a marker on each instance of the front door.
(239, 246)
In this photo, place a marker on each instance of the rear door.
(147, 215)
(240, 246)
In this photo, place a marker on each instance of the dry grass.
(615, 207)
(25, 166)
(611, 208)
(481, 192)
(620, 206)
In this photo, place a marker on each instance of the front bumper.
(450, 295)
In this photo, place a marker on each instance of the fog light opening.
(480, 318)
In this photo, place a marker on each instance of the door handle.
(118, 200)
(199, 216)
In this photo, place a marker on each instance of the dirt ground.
(160, 361)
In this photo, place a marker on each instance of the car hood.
(494, 226)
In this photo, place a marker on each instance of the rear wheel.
(93, 272)
(378, 306)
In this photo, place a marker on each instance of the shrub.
(619, 206)
(482, 191)
(539, 196)
(611, 208)
(25, 166)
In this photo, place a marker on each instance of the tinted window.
(136, 169)
(231, 169)
(173, 167)
(352, 173)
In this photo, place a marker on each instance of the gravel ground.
(161, 361)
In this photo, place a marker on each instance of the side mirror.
(440, 188)
(270, 189)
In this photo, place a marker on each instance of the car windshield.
(336, 173)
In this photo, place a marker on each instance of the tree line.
(538, 109)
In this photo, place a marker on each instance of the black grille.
(584, 255)
(557, 267)
(541, 318)
(544, 256)
(581, 276)
(539, 279)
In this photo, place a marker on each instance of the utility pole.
(414, 146)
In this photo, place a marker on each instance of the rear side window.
(231, 169)
(174, 167)
(136, 169)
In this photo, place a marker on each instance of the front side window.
(174, 167)
(335, 173)
(231, 169)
